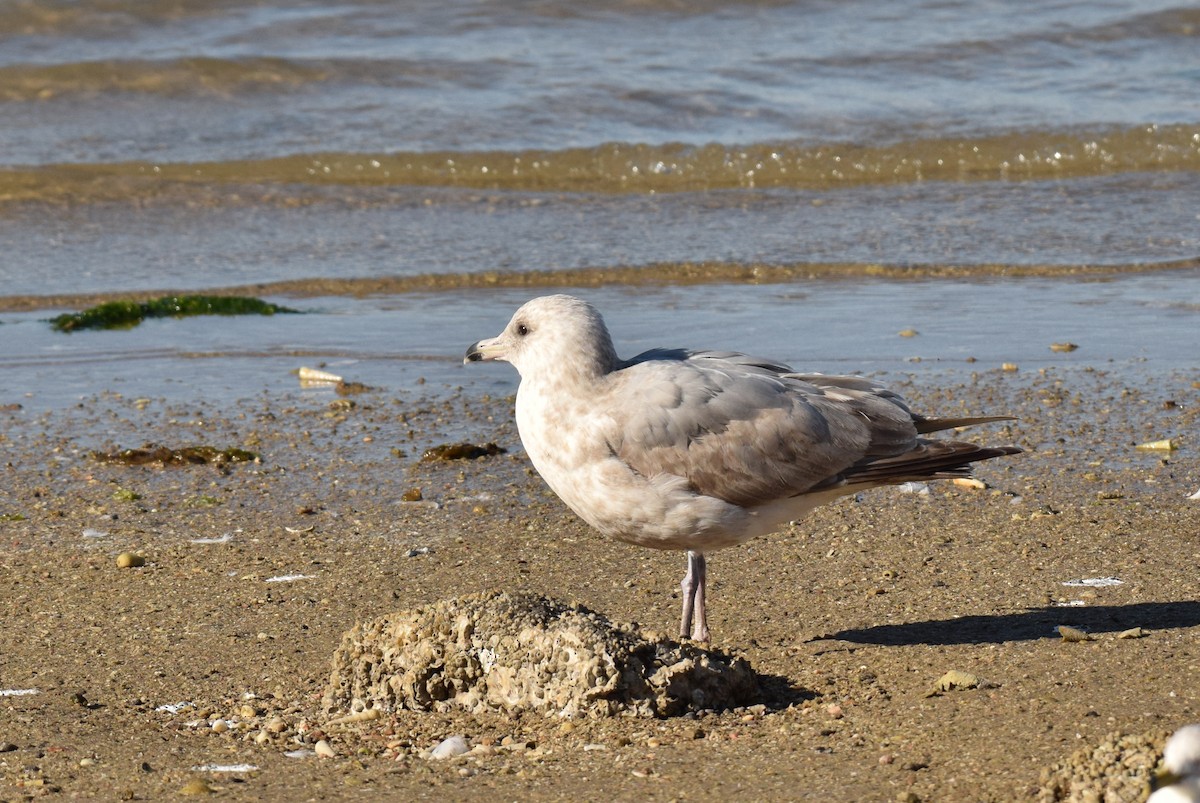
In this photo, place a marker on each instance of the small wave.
(633, 168)
(181, 77)
(658, 274)
(50, 17)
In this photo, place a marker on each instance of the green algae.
(164, 456)
(128, 314)
(461, 451)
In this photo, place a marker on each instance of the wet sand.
(851, 616)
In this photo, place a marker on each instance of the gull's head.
(556, 334)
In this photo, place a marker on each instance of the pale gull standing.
(700, 450)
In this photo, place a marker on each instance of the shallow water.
(414, 344)
(689, 166)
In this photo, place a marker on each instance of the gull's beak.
(490, 349)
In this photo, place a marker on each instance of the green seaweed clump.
(128, 314)
(461, 451)
(187, 456)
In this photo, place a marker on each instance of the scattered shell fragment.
(1133, 632)
(216, 539)
(1063, 347)
(289, 578)
(315, 376)
(450, 747)
(323, 749)
(908, 333)
(970, 482)
(128, 560)
(1009, 367)
(518, 652)
(1094, 582)
(1069, 633)
(1165, 445)
(957, 680)
(358, 716)
(1195, 496)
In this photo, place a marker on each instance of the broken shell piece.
(1069, 633)
(1195, 496)
(1165, 445)
(315, 376)
(450, 747)
(969, 482)
(1009, 367)
(1133, 632)
(359, 716)
(954, 679)
(957, 680)
(1063, 347)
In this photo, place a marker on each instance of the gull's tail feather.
(927, 425)
(931, 460)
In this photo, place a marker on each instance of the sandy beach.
(201, 670)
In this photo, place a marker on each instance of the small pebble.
(196, 787)
(834, 710)
(128, 560)
(277, 725)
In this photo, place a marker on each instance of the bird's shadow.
(1035, 623)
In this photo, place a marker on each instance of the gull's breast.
(568, 445)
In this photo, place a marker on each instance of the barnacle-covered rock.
(1118, 770)
(502, 652)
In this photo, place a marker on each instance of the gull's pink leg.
(694, 620)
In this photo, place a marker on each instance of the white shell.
(450, 747)
(315, 376)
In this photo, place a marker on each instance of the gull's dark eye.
(522, 329)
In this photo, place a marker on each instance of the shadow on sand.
(1035, 623)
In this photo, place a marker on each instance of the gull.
(702, 450)
(1181, 768)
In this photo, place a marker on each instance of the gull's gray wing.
(747, 430)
